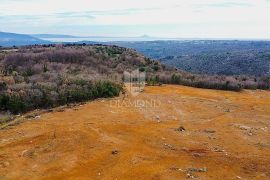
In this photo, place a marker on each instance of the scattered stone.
(216, 149)
(4, 164)
(250, 133)
(76, 109)
(211, 137)
(243, 127)
(181, 129)
(264, 129)
(115, 152)
(209, 131)
(190, 171)
(49, 110)
(191, 176)
(33, 116)
(70, 105)
(29, 153)
(198, 154)
(227, 110)
(176, 169)
(168, 146)
(37, 117)
(30, 116)
(60, 110)
(196, 170)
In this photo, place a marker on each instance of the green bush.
(12, 103)
(28, 72)
(42, 97)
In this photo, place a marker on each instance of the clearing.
(181, 132)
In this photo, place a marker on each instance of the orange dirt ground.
(226, 135)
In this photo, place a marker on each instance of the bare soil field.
(167, 132)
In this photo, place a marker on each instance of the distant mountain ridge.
(13, 39)
(221, 57)
(46, 36)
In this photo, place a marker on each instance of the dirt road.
(168, 132)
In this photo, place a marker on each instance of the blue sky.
(160, 18)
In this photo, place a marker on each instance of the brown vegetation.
(52, 75)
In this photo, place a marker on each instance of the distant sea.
(101, 39)
(132, 39)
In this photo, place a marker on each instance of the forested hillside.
(210, 57)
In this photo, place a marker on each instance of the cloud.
(223, 5)
(174, 17)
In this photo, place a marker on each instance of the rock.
(209, 131)
(37, 117)
(197, 170)
(5, 164)
(176, 169)
(197, 154)
(264, 129)
(191, 176)
(60, 110)
(181, 129)
(243, 127)
(157, 117)
(30, 116)
(168, 146)
(250, 133)
(115, 152)
(50, 110)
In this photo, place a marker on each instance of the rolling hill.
(13, 39)
(221, 57)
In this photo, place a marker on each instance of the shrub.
(3, 86)
(155, 67)
(45, 68)
(12, 103)
(47, 96)
(28, 72)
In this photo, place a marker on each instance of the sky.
(239, 19)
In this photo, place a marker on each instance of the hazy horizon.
(184, 19)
